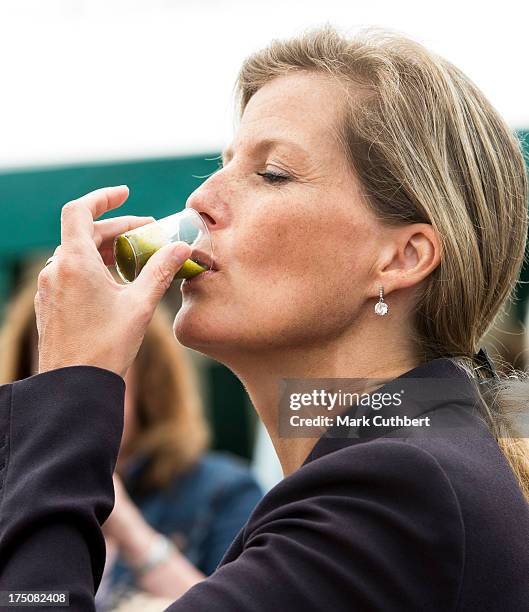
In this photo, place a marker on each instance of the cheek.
(302, 246)
(300, 269)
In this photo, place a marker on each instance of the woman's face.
(293, 241)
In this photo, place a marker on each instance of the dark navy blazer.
(392, 521)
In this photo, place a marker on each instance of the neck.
(348, 356)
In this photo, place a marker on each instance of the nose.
(208, 202)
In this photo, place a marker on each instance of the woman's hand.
(85, 317)
(125, 519)
(133, 536)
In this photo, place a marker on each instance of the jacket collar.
(427, 387)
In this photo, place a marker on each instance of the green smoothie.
(133, 249)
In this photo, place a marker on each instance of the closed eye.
(273, 177)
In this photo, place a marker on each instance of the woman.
(173, 486)
(363, 171)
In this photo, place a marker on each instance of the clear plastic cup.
(133, 249)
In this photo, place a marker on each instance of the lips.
(204, 259)
(198, 279)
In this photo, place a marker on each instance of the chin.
(189, 330)
(218, 339)
(195, 329)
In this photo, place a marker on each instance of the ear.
(411, 253)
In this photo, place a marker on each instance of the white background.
(86, 80)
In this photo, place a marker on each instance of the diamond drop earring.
(381, 308)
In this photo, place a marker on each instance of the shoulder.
(459, 459)
(384, 469)
(354, 511)
(383, 491)
(461, 473)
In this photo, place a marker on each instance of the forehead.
(303, 108)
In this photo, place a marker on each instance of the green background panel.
(31, 200)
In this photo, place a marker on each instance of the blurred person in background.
(171, 493)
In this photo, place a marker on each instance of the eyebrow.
(266, 145)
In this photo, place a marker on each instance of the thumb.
(158, 273)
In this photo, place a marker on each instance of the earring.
(381, 308)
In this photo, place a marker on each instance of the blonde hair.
(172, 429)
(427, 146)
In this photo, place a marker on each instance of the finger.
(105, 231)
(107, 255)
(77, 217)
(108, 229)
(159, 271)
